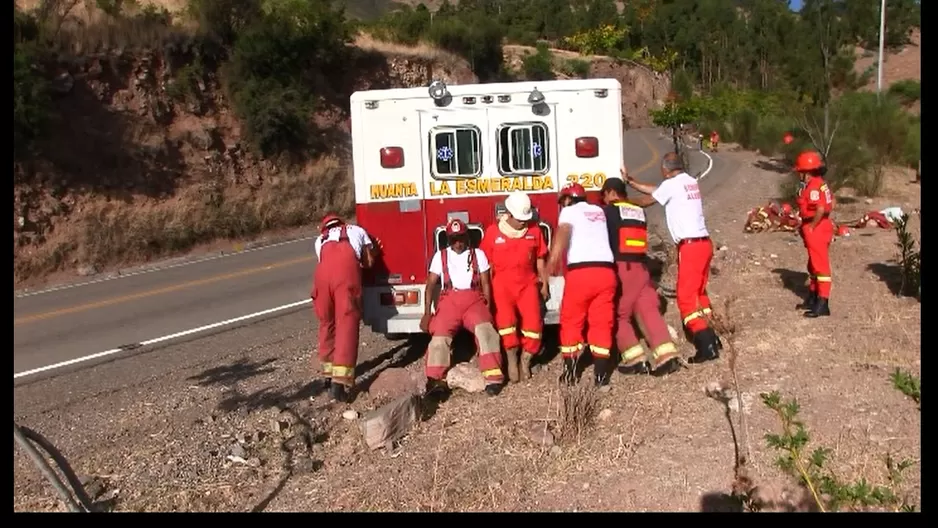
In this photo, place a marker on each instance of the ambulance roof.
(460, 90)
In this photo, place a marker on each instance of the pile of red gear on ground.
(775, 216)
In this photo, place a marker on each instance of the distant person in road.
(588, 305)
(465, 302)
(517, 251)
(343, 250)
(815, 203)
(637, 296)
(679, 193)
(714, 140)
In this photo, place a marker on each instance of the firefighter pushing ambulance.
(342, 250)
(517, 251)
(465, 301)
(637, 297)
(589, 283)
(815, 203)
(679, 193)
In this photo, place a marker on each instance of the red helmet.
(786, 208)
(456, 227)
(573, 190)
(808, 161)
(330, 221)
(788, 138)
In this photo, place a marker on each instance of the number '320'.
(587, 180)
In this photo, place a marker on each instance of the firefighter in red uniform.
(517, 252)
(679, 193)
(815, 203)
(714, 140)
(590, 283)
(638, 297)
(342, 249)
(465, 302)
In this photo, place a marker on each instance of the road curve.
(67, 323)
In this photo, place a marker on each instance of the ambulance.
(422, 156)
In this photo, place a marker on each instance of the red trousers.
(588, 307)
(463, 309)
(514, 301)
(337, 294)
(693, 273)
(818, 243)
(638, 298)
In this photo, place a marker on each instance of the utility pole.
(882, 42)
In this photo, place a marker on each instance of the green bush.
(30, 90)
(275, 65)
(539, 66)
(907, 91)
(575, 68)
(473, 38)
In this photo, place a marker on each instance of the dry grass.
(79, 27)
(579, 410)
(422, 51)
(107, 232)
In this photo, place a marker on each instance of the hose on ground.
(76, 500)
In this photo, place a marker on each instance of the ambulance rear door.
(454, 152)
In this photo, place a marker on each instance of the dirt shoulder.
(241, 428)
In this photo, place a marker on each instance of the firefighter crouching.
(815, 203)
(589, 283)
(464, 302)
(517, 251)
(679, 193)
(638, 297)
(342, 250)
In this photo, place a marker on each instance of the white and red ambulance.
(422, 156)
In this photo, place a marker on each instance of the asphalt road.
(78, 320)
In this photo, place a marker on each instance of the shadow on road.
(240, 370)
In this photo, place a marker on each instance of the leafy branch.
(828, 492)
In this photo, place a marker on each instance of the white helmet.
(518, 205)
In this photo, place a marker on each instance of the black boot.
(600, 372)
(820, 308)
(705, 342)
(436, 388)
(808, 303)
(638, 368)
(493, 389)
(339, 392)
(569, 371)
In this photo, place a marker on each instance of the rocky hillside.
(146, 158)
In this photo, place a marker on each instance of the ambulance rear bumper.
(384, 321)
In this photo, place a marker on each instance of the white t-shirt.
(460, 271)
(357, 236)
(683, 208)
(589, 241)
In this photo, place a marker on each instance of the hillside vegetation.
(150, 112)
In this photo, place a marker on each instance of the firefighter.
(638, 297)
(589, 283)
(464, 302)
(517, 252)
(815, 203)
(679, 193)
(714, 140)
(342, 250)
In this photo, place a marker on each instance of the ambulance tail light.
(587, 147)
(392, 157)
(400, 298)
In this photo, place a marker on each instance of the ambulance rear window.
(523, 148)
(457, 152)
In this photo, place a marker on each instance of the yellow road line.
(655, 154)
(158, 291)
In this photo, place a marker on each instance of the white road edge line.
(709, 163)
(158, 340)
(157, 267)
